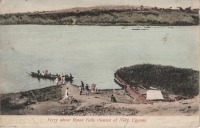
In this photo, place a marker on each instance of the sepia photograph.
(99, 60)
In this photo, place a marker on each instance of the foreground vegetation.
(21, 100)
(167, 78)
(114, 15)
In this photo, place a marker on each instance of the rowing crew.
(59, 79)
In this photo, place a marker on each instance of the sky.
(13, 6)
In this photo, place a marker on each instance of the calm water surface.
(91, 53)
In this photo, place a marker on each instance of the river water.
(90, 53)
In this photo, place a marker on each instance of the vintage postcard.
(99, 63)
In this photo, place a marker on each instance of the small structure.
(154, 95)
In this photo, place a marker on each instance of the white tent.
(154, 95)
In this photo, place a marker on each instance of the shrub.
(175, 80)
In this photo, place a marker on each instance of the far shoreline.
(107, 16)
(105, 25)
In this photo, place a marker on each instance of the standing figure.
(66, 96)
(82, 85)
(66, 78)
(70, 78)
(38, 72)
(43, 73)
(80, 90)
(63, 79)
(87, 89)
(70, 75)
(56, 80)
(46, 72)
(59, 78)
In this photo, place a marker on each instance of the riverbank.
(48, 101)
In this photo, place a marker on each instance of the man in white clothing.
(66, 96)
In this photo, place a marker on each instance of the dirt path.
(85, 100)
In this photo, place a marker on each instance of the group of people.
(44, 73)
(87, 88)
(83, 87)
(60, 79)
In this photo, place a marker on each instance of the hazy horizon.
(19, 6)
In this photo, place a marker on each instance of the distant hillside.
(174, 80)
(107, 15)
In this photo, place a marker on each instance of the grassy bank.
(49, 101)
(171, 79)
(108, 15)
(52, 93)
(16, 101)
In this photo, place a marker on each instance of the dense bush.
(174, 80)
